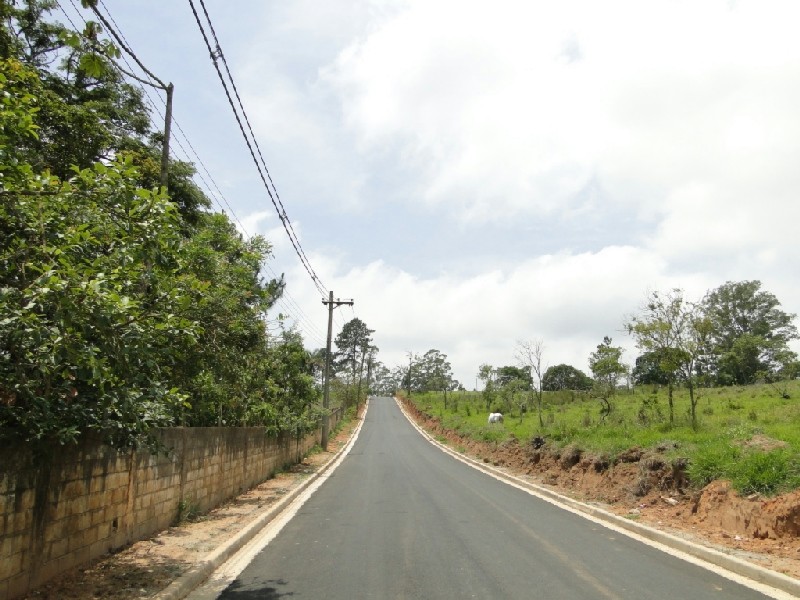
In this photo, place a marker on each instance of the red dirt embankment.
(647, 487)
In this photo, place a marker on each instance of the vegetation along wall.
(61, 511)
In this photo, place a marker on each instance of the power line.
(185, 137)
(300, 317)
(215, 54)
(282, 212)
(285, 301)
(74, 27)
(124, 46)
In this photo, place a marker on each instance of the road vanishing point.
(400, 519)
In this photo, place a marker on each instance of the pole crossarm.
(338, 302)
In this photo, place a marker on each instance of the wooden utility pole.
(165, 145)
(369, 371)
(326, 418)
(410, 364)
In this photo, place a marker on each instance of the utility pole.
(410, 363)
(369, 370)
(165, 145)
(326, 421)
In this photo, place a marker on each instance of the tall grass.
(719, 446)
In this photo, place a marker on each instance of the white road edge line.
(770, 583)
(228, 571)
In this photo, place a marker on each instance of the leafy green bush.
(710, 462)
(491, 434)
(90, 313)
(117, 312)
(765, 473)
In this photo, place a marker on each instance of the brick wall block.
(98, 516)
(16, 585)
(73, 489)
(10, 566)
(58, 548)
(55, 531)
(117, 495)
(15, 543)
(76, 506)
(98, 500)
(26, 500)
(103, 530)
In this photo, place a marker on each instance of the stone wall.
(62, 511)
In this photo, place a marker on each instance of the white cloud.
(680, 115)
(514, 109)
(251, 224)
(568, 301)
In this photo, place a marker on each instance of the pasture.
(750, 435)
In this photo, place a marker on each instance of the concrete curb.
(733, 564)
(194, 577)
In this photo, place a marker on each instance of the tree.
(384, 381)
(565, 377)
(647, 370)
(91, 315)
(749, 333)
(292, 402)
(529, 354)
(354, 345)
(318, 366)
(486, 374)
(121, 308)
(514, 386)
(513, 395)
(87, 112)
(434, 373)
(607, 370)
(664, 330)
(401, 375)
(224, 372)
(509, 373)
(675, 333)
(91, 311)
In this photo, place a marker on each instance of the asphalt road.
(401, 519)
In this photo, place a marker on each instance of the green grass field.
(749, 435)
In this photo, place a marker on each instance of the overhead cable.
(216, 54)
(282, 211)
(124, 46)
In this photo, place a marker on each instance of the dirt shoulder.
(646, 487)
(147, 567)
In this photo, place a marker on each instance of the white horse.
(495, 418)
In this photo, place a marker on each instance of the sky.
(477, 174)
